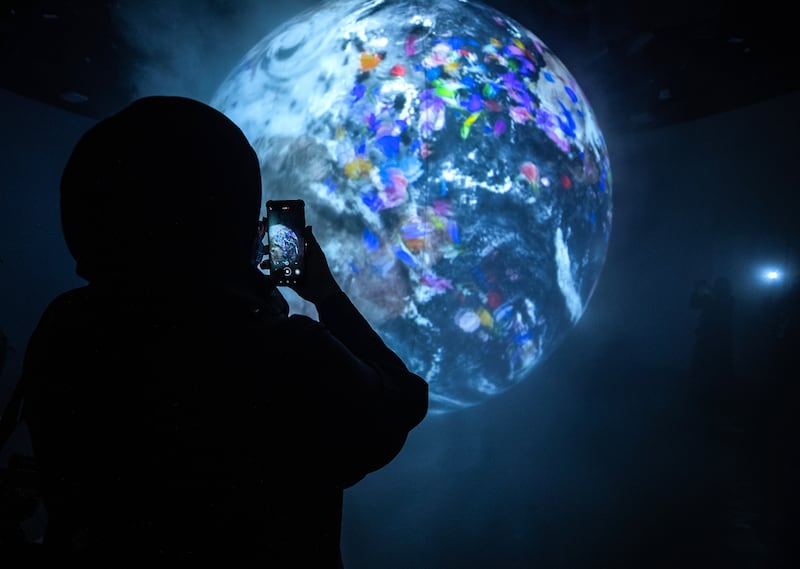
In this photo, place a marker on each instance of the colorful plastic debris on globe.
(453, 171)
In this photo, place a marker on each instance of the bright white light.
(771, 275)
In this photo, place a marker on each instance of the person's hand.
(318, 283)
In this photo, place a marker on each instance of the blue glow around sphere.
(452, 169)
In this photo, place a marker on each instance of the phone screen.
(286, 223)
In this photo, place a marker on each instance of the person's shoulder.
(71, 295)
(67, 301)
(59, 320)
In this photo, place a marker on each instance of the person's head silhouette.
(168, 189)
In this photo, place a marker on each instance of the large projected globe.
(452, 169)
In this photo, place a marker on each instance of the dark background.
(616, 452)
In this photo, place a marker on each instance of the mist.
(188, 48)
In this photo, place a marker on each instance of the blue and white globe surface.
(453, 171)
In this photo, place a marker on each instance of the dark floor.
(754, 455)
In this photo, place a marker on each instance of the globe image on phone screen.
(284, 246)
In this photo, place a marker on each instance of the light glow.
(771, 275)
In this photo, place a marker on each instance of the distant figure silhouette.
(712, 358)
(179, 415)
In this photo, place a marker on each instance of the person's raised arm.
(384, 399)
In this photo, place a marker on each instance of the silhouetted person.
(712, 357)
(179, 415)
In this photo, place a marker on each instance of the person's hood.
(167, 187)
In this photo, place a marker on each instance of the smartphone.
(286, 245)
